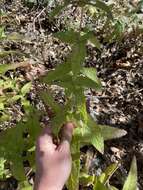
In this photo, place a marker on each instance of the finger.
(45, 140)
(67, 132)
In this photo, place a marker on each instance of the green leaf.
(14, 98)
(80, 104)
(96, 137)
(90, 73)
(17, 168)
(58, 121)
(88, 83)
(49, 100)
(112, 187)
(90, 134)
(73, 182)
(92, 38)
(97, 140)
(26, 88)
(24, 185)
(2, 33)
(32, 126)
(1, 106)
(26, 104)
(107, 174)
(77, 57)
(5, 117)
(67, 36)
(57, 74)
(86, 180)
(101, 5)
(6, 67)
(11, 148)
(99, 186)
(111, 132)
(12, 143)
(95, 42)
(2, 167)
(131, 181)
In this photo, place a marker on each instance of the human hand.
(53, 161)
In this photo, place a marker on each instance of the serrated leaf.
(111, 132)
(49, 100)
(88, 83)
(58, 121)
(80, 81)
(131, 181)
(67, 36)
(57, 74)
(26, 88)
(33, 126)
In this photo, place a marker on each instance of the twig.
(81, 19)
(37, 18)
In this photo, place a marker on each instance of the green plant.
(74, 78)
(4, 173)
(12, 91)
(102, 182)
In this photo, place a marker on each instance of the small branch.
(37, 17)
(81, 19)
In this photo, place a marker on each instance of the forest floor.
(119, 66)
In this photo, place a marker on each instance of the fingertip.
(69, 126)
(68, 131)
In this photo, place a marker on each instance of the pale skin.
(53, 161)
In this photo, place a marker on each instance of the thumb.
(66, 137)
(67, 132)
